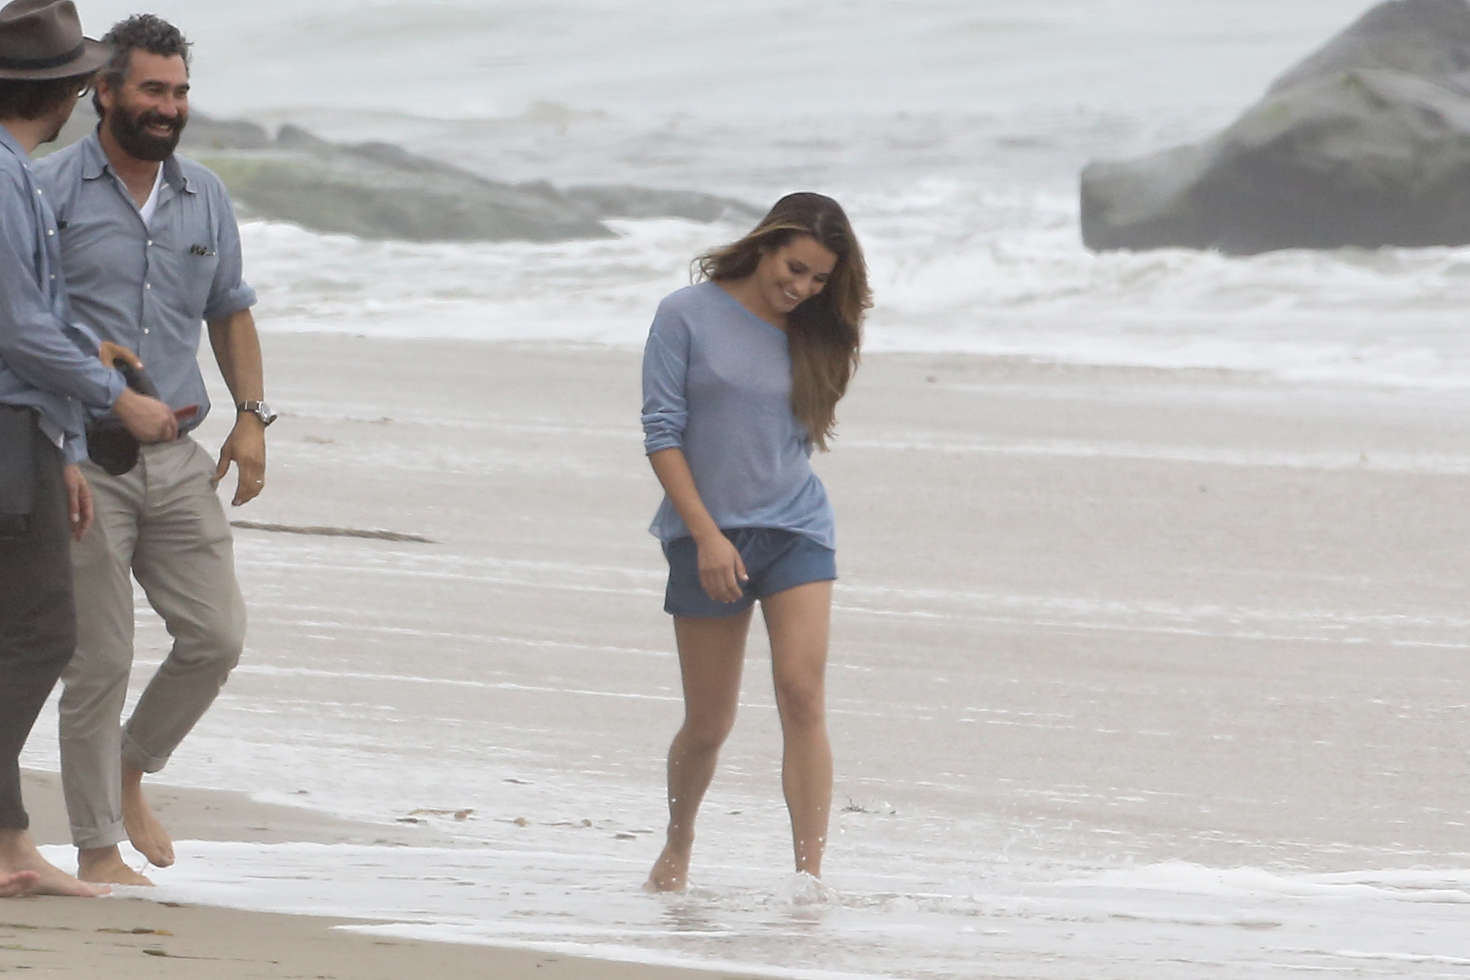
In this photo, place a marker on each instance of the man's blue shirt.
(148, 286)
(46, 362)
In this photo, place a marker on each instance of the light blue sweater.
(717, 384)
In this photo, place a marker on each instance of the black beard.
(140, 144)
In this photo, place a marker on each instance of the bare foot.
(671, 871)
(105, 865)
(17, 883)
(144, 831)
(19, 859)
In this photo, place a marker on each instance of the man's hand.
(246, 446)
(148, 419)
(78, 500)
(144, 417)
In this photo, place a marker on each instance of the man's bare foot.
(105, 865)
(19, 859)
(15, 883)
(671, 871)
(144, 831)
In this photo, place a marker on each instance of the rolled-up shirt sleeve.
(34, 342)
(229, 293)
(665, 369)
(74, 448)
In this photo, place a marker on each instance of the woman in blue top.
(741, 377)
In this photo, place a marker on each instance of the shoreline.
(192, 813)
(131, 936)
(125, 938)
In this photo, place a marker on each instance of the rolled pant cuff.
(133, 757)
(87, 838)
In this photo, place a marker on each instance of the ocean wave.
(1022, 287)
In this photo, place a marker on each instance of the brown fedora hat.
(42, 39)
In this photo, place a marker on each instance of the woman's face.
(790, 275)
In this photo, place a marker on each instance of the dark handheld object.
(136, 378)
(109, 444)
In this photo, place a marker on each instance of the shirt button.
(147, 285)
(150, 243)
(50, 231)
(146, 330)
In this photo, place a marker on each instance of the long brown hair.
(825, 331)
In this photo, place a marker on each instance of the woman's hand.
(721, 572)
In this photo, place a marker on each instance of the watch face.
(260, 410)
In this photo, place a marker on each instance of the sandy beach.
(1108, 619)
(130, 937)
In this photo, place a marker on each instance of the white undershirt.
(151, 205)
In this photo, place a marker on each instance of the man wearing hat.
(152, 254)
(48, 370)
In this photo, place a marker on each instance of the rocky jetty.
(1364, 143)
(378, 190)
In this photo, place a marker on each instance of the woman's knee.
(802, 702)
(706, 732)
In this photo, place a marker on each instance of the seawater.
(1172, 920)
(952, 131)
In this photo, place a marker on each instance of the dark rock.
(207, 133)
(202, 133)
(624, 201)
(379, 190)
(1366, 142)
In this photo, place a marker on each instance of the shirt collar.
(10, 143)
(94, 164)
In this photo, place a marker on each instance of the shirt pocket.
(188, 275)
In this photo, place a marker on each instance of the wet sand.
(138, 939)
(1093, 614)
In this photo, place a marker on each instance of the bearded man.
(49, 370)
(151, 251)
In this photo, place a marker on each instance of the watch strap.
(256, 408)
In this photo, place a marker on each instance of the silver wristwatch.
(260, 410)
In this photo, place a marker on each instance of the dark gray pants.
(37, 617)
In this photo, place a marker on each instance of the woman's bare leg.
(797, 621)
(711, 653)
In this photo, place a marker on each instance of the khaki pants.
(163, 523)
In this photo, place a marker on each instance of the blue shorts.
(775, 560)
